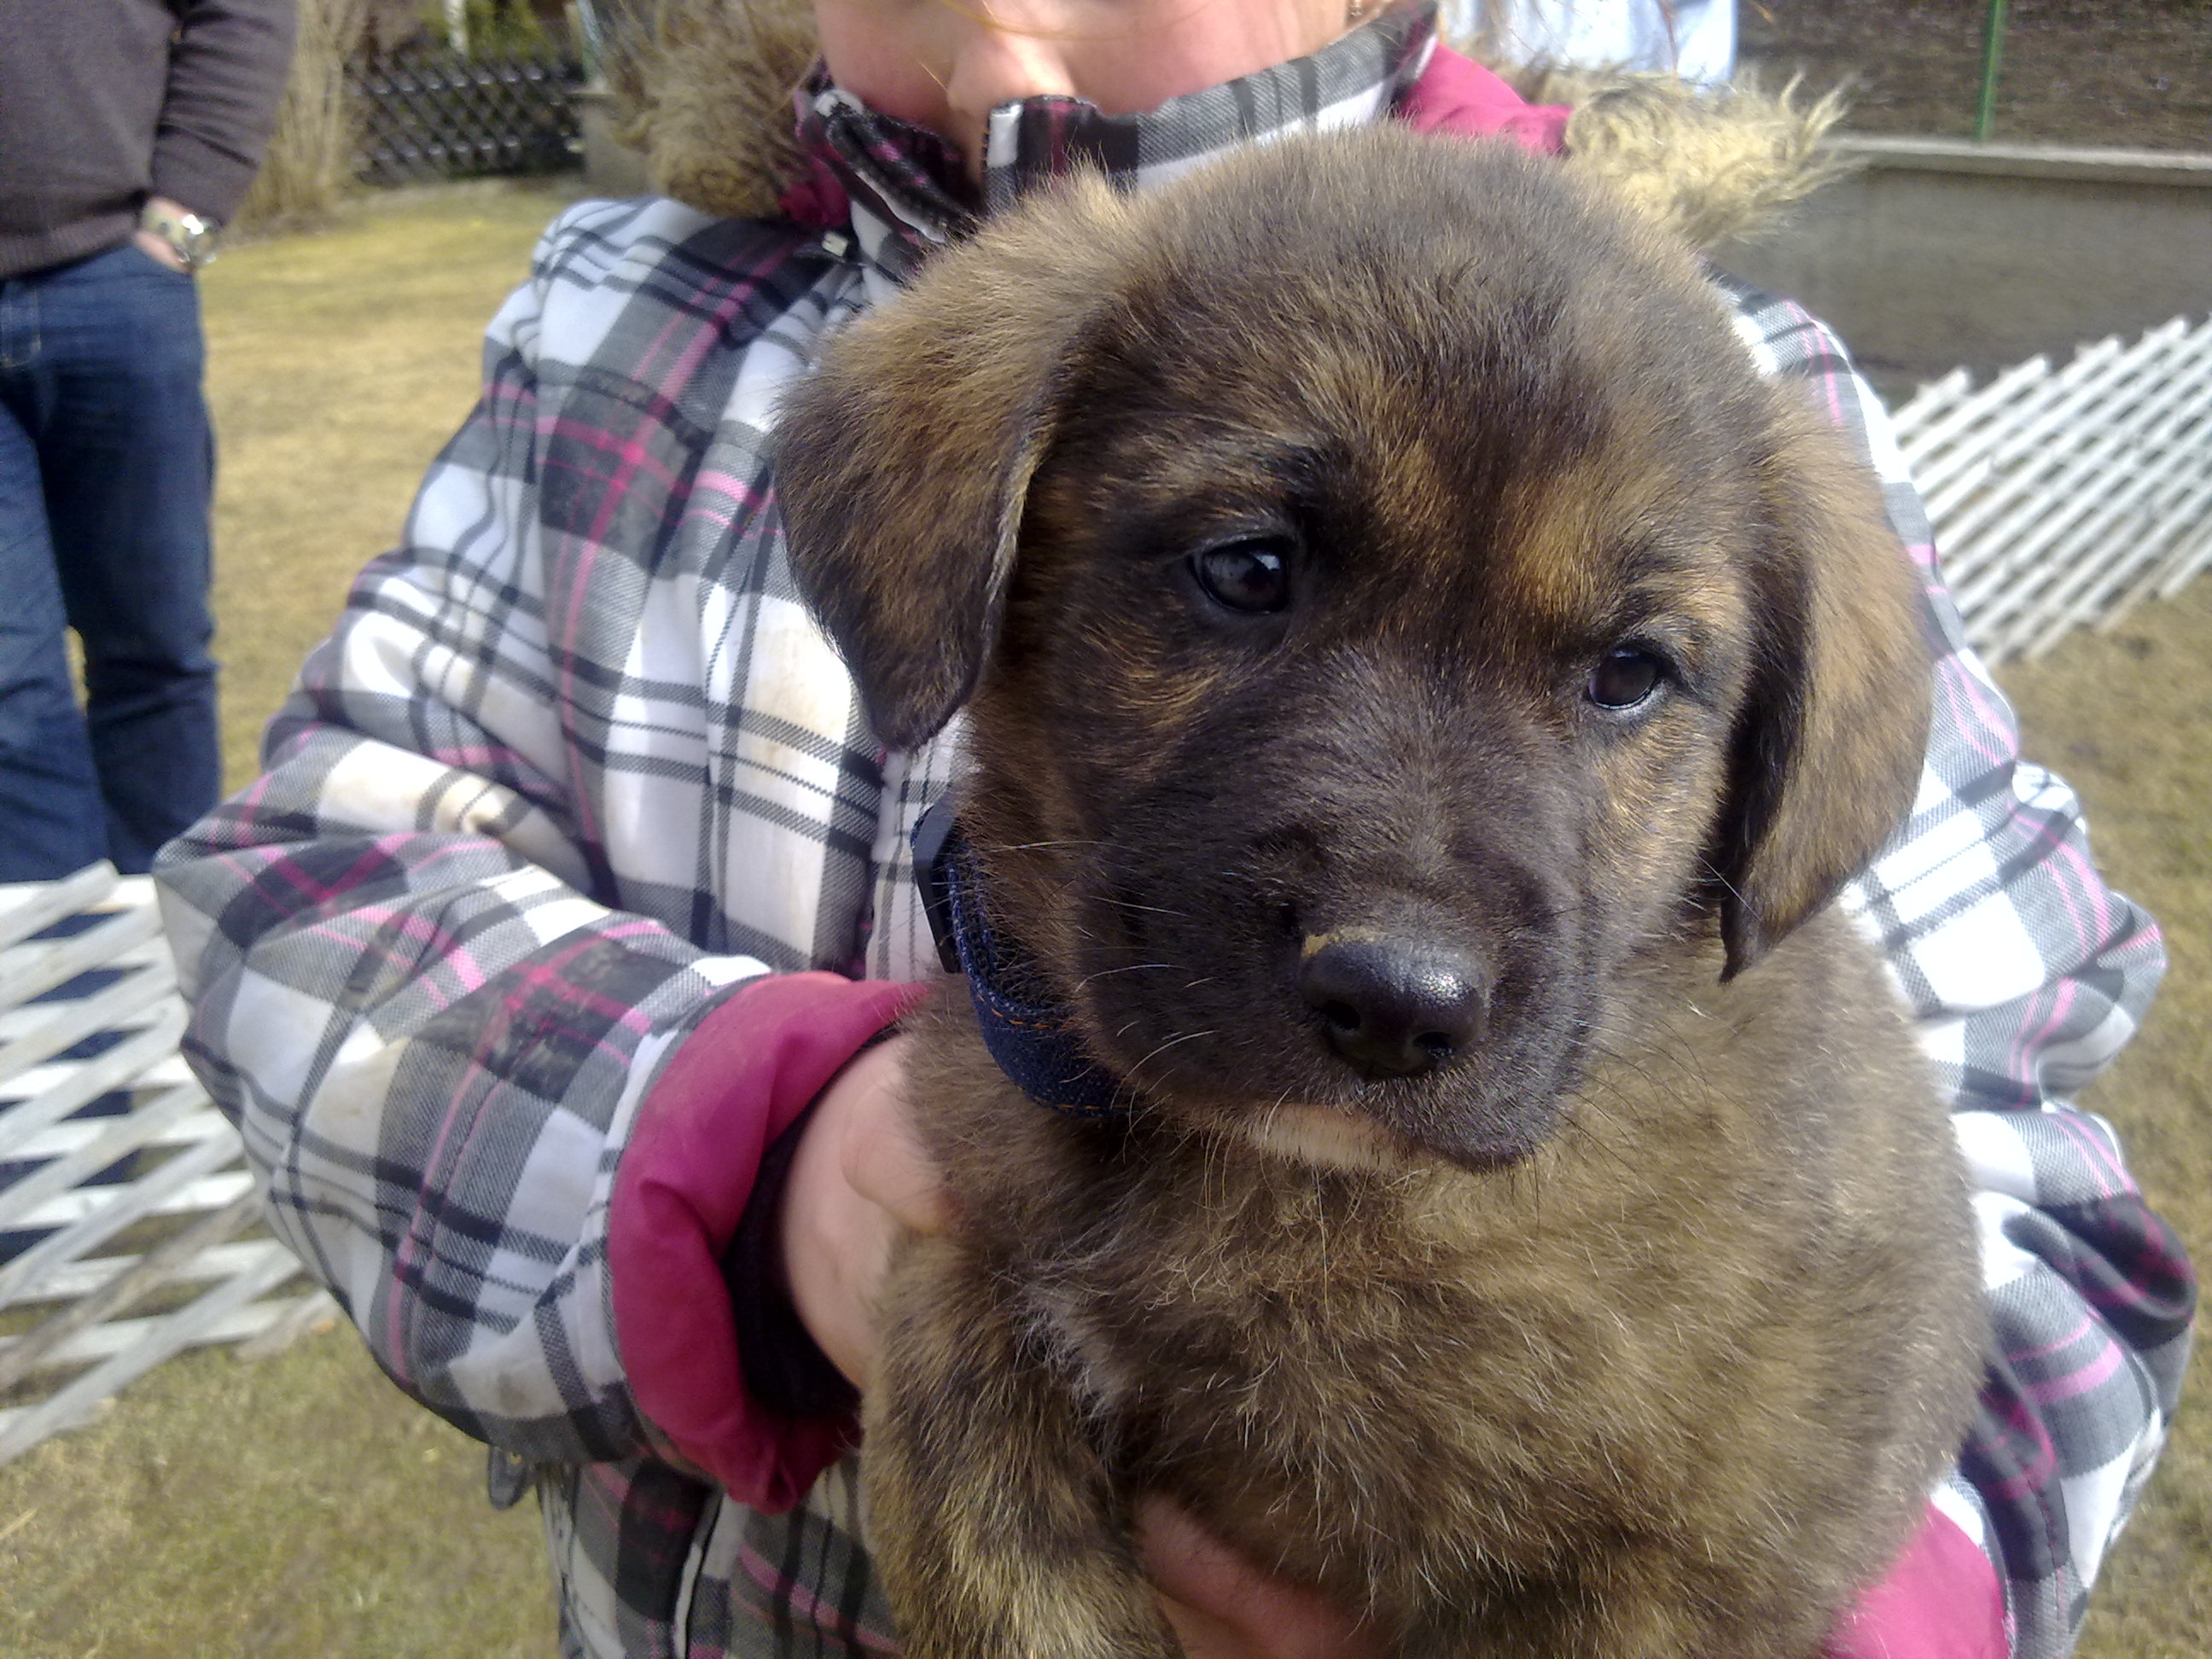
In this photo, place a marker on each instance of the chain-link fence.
(429, 113)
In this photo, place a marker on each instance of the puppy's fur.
(1640, 1323)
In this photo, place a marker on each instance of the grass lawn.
(300, 1506)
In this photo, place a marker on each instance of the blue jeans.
(106, 468)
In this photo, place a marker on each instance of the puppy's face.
(1395, 609)
(1365, 760)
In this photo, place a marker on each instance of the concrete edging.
(2111, 167)
(1939, 253)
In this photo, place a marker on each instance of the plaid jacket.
(576, 764)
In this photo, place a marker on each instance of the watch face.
(193, 237)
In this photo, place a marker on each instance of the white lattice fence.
(2063, 496)
(120, 1234)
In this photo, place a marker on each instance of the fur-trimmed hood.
(704, 89)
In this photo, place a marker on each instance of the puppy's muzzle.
(1393, 1006)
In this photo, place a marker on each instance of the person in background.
(552, 969)
(1693, 39)
(129, 132)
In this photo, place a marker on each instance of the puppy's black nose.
(1394, 1006)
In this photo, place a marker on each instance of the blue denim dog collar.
(1033, 1039)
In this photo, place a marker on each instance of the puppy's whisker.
(1131, 904)
(1161, 1048)
(1133, 968)
(1713, 871)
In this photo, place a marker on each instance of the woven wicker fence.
(124, 1201)
(430, 113)
(2063, 496)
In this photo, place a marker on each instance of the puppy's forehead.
(1399, 232)
(1445, 341)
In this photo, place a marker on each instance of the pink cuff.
(814, 199)
(737, 1081)
(1941, 1600)
(1457, 95)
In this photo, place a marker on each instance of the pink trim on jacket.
(1457, 95)
(737, 1081)
(1941, 1600)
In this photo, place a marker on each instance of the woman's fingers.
(1222, 1606)
(882, 1156)
(859, 1180)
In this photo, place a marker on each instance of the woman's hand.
(1222, 1606)
(859, 1178)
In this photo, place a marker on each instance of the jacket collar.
(907, 194)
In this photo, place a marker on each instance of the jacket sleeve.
(2027, 976)
(227, 70)
(408, 987)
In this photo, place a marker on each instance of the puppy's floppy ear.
(904, 463)
(1829, 745)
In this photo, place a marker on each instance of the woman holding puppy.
(545, 969)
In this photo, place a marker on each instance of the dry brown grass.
(300, 1506)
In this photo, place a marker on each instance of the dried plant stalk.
(310, 160)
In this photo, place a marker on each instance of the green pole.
(1992, 55)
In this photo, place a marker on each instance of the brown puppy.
(1426, 689)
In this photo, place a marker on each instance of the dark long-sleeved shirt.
(105, 102)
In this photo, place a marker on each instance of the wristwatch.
(193, 237)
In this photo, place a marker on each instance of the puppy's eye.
(1252, 576)
(1625, 678)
